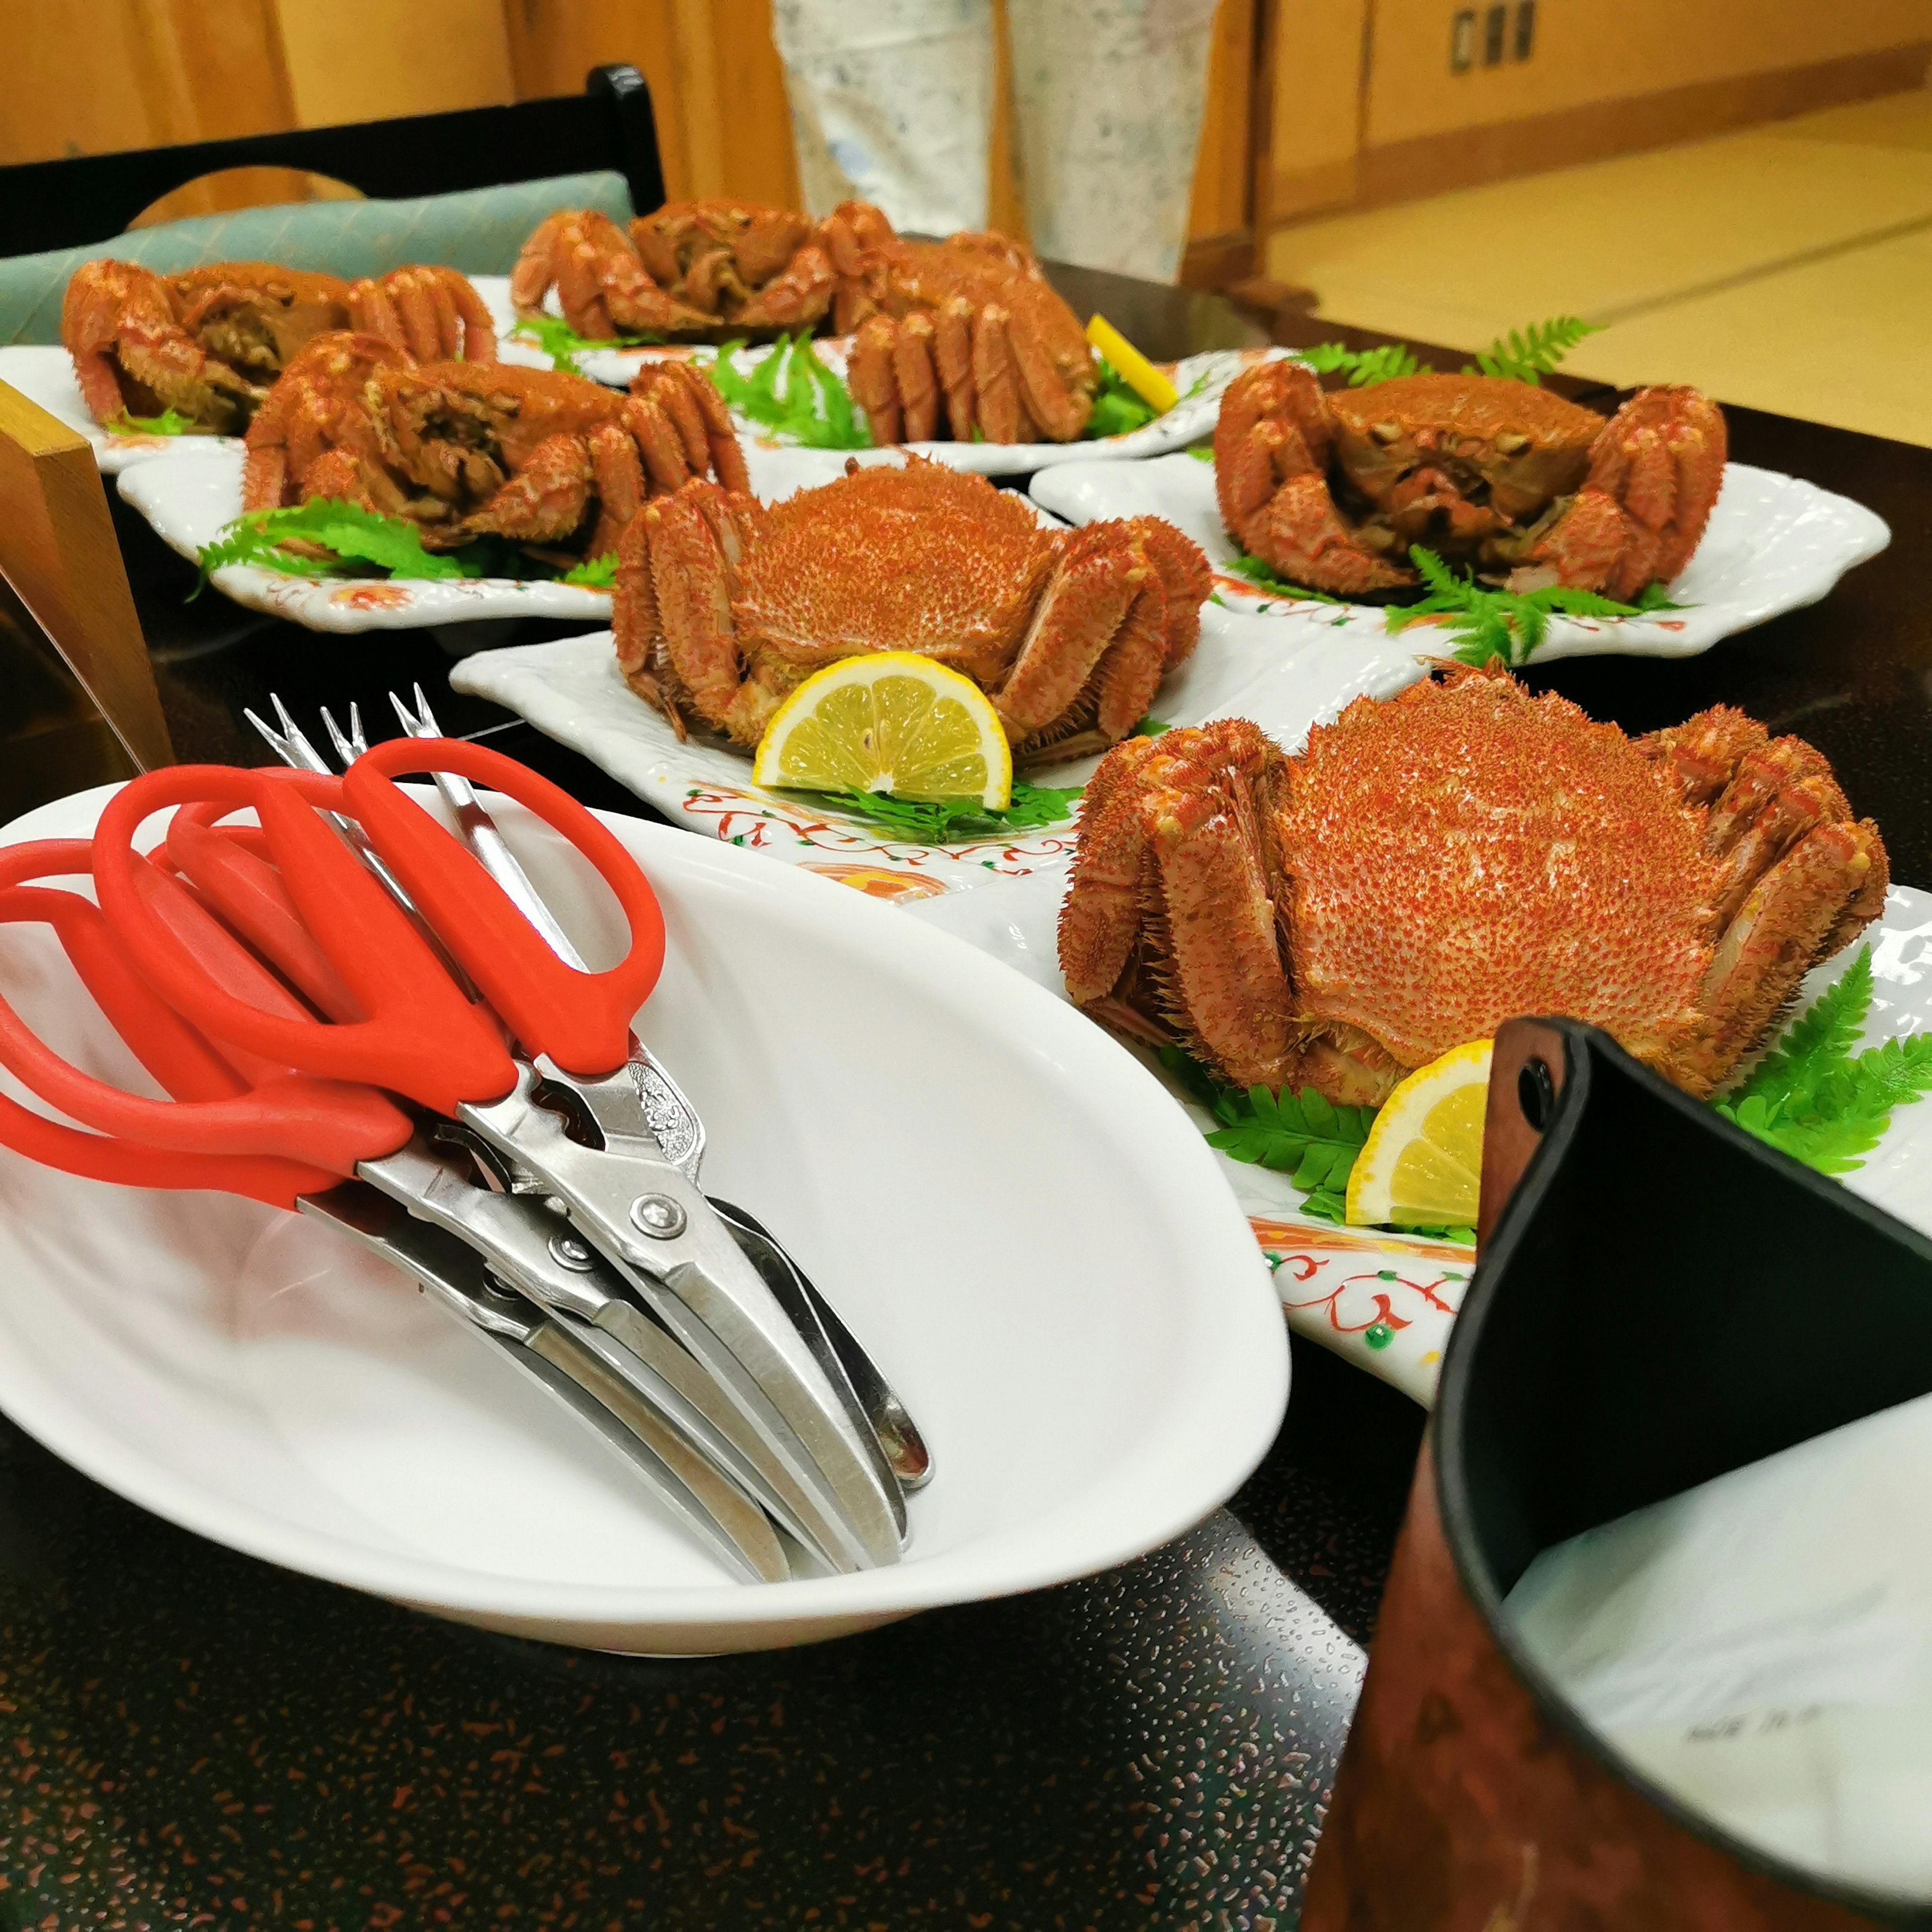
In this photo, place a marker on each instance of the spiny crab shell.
(1434, 864)
(465, 449)
(722, 606)
(1330, 490)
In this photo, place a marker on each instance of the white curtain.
(892, 103)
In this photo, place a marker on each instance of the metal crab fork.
(673, 1119)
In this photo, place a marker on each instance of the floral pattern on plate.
(1775, 542)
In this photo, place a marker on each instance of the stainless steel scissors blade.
(545, 1349)
(644, 1214)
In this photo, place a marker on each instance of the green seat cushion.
(478, 231)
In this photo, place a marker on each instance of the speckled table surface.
(190, 1737)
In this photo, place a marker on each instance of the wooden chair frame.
(88, 198)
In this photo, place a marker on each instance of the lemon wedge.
(1153, 386)
(892, 721)
(1422, 1164)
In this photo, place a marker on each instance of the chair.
(70, 203)
(62, 578)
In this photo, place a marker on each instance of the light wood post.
(59, 552)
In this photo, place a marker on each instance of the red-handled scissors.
(418, 1035)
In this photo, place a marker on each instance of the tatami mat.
(1789, 267)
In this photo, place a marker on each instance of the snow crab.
(1330, 490)
(1434, 864)
(966, 330)
(467, 449)
(209, 343)
(722, 606)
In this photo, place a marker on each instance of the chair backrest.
(58, 555)
(70, 203)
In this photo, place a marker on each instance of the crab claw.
(433, 313)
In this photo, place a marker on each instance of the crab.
(966, 330)
(754, 269)
(1330, 490)
(723, 606)
(1434, 864)
(209, 343)
(467, 450)
(602, 283)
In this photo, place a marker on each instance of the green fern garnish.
(1529, 354)
(1490, 626)
(949, 821)
(168, 423)
(791, 391)
(563, 345)
(1263, 578)
(1365, 366)
(1812, 1098)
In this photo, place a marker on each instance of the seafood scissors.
(333, 1120)
(645, 1235)
(674, 1122)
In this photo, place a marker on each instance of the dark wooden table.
(187, 1736)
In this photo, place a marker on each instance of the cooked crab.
(209, 343)
(723, 606)
(602, 283)
(966, 332)
(467, 450)
(1435, 864)
(1330, 490)
(754, 269)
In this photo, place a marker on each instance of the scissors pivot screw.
(568, 1251)
(658, 1216)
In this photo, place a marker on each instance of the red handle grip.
(581, 1020)
(271, 1142)
(422, 1037)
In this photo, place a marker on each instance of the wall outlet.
(1462, 41)
(1495, 26)
(1526, 30)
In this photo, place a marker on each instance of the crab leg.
(952, 357)
(1082, 609)
(545, 500)
(870, 376)
(998, 398)
(918, 385)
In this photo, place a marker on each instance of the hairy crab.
(967, 332)
(1434, 864)
(754, 269)
(467, 450)
(1330, 490)
(723, 606)
(210, 343)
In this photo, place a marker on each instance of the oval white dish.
(1774, 543)
(1029, 1235)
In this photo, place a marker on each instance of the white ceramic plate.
(44, 374)
(1200, 378)
(1244, 666)
(189, 496)
(1031, 1238)
(1774, 543)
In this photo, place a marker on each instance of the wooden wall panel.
(1223, 202)
(1318, 49)
(1606, 50)
(366, 60)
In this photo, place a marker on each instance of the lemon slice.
(892, 722)
(1422, 1164)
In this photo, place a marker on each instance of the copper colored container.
(1659, 1300)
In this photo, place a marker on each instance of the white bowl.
(1027, 1232)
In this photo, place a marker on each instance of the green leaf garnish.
(168, 423)
(352, 533)
(1117, 409)
(1263, 578)
(1812, 1098)
(594, 573)
(1364, 366)
(948, 821)
(1201, 452)
(563, 345)
(1506, 625)
(1150, 728)
(791, 391)
(1530, 353)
